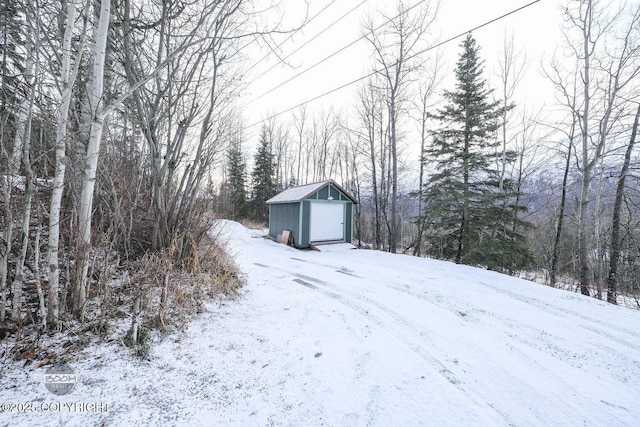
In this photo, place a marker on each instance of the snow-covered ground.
(365, 338)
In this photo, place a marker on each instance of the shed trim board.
(300, 235)
(329, 229)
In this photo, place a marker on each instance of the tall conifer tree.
(263, 177)
(469, 218)
(237, 181)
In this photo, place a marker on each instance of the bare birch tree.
(22, 153)
(511, 71)
(369, 109)
(70, 64)
(98, 113)
(299, 123)
(395, 50)
(612, 278)
(424, 106)
(606, 66)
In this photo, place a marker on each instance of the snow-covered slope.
(365, 338)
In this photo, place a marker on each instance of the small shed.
(318, 212)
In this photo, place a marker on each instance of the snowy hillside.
(365, 338)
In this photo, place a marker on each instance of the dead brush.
(218, 270)
(174, 290)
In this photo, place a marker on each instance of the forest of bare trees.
(121, 139)
(114, 115)
(566, 176)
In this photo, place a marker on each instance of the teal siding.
(284, 216)
(329, 190)
(323, 194)
(334, 192)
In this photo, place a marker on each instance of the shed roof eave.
(302, 192)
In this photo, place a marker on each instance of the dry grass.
(174, 291)
(253, 225)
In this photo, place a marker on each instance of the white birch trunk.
(21, 124)
(18, 279)
(135, 319)
(93, 149)
(36, 268)
(24, 111)
(6, 248)
(22, 119)
(66, 83)
(23, 144)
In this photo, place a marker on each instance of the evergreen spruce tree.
(469, 219)
(263, 178)
(237, 181)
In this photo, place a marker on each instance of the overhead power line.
(336, 89)
(293, 34)
(331, 55)
(325, 29)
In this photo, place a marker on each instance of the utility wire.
(476, 28)
(450, 39)
(289, 38)
(310, 40)
(331, 55)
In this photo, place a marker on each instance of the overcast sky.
(535, 30)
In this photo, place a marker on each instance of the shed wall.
(285, 216)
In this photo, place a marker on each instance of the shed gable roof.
(297, 194)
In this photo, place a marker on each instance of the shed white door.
(327, 221)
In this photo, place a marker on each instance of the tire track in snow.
(523, 332)
(534, 338)
(420, 350)
(559, 344)
(412, 343)
(555, 309)
(460, 310)
(537, 338)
